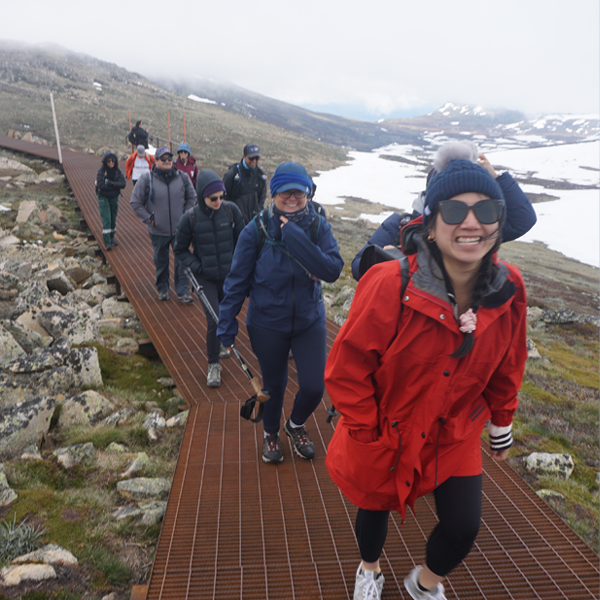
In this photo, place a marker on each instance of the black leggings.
(458, 504)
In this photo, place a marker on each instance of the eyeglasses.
(215, 198)
(253, 158)
(296, 193)
(487, 211)
(164, 158)
(110, 160)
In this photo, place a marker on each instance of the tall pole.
(56, 128)
(184, 127)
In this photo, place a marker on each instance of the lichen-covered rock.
(16, 574)
(178, 420)
(102, 291)
(114, 447)
(84, 409)
(154, 421)
(30, 297)
(561, 465)
(27, 208)
(31, 453)
(27, 338)
(60, 282)
(532, 351)
(85, 366)
(78, 327)
(123, 512)
(137, 465)
(9, 348)
(15, 388)
(144, 488)
(78, 273)
(24, 424)
(8, 281)
(153, 512)
(550, 494)
(47, 359)
(558, 317)
(7, 496)
(50, 554)
(126, 346)
(166, 382)
(120, 417)
(112, 308)
(72, 455)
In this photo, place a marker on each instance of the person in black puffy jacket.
(109, 183)
(213, 229)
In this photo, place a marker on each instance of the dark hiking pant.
(109, 207)
(161, 244)
(458, 504)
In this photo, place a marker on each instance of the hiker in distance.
(417, 371)
(279, 259)
(109, 183)
(520, 214)
(138, 135)
(138, 163)
(159, 199)
(186, 162)
(213, 227)
(246, 183)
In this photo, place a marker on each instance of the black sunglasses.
(166, 158)
(487, 211)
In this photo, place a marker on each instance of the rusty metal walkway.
(236, 528)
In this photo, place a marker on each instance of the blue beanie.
(183, 147)
(290, 176)
(459, 177)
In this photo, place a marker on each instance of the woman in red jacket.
(416, 374)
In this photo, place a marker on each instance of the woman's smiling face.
(290, 201)
(464, 244)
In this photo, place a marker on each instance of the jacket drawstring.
(395, 424)
(437, 444)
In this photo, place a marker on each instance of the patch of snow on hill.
(198, 99)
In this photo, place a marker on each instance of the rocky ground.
(90, 429)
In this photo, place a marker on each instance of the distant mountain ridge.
(93, 98)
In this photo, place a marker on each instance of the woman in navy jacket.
(279, 259)
(520, 215)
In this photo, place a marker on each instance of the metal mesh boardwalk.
(238, 528)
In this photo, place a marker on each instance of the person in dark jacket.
(520, 214)
(109, 183)
(246, 183)
(212, 227)
(419, 370)
(159, 199)
(186, 162)
(286, 308)
(138, 135)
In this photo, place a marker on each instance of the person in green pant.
(109, 183)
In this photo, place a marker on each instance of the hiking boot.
(108, 247)
(163, 295)
(272, 448)
(303, 445)
(369, 585)
(224, 352)
(412, 587)
(114, 242)
(186, 298)
(214, 375)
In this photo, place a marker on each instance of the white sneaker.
(369, 585)
(411, 583)
(214, 375)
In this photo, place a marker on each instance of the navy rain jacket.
(283, 298)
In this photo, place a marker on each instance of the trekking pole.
(260, 395)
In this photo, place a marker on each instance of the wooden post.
(56, 128)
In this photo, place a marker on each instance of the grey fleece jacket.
(172, 194)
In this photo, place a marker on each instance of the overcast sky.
(376, 58)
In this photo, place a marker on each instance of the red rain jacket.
(390, 376)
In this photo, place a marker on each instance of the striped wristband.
(500, 437)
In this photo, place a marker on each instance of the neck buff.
(293, 217)
(278, 181)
